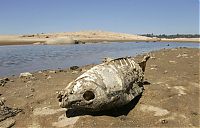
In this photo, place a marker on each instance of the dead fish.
(111, 84)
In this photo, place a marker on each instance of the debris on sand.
(96, 90)
(6, 112)
(7, 123)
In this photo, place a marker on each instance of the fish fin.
(142, 64)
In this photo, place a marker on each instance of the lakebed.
(170, 99)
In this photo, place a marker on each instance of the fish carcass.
(111, 84)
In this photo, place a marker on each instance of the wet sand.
(170, 98)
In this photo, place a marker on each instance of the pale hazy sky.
(129, 16)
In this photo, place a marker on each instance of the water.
(17, 59)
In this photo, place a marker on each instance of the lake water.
(17, 59)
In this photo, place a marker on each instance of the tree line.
(173, 36)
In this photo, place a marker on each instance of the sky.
(128, 16)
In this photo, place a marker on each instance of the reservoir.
(29, 58)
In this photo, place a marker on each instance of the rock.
(6, 79)
(153, 68)
(39, 71)
(164, 121)
(74, 67)
(153, 57)
(75, 72)
(2, 101)
(2, 82)
(25, 74)
(171, 61)
(32, 90)
(29, 96)
(179, 55)
(60, 70)
(49, 77)
(52, 71)
(165, 72)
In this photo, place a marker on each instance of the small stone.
(40, 72)
(49, 77)
(171, 61)
(75, 72)
(179, 55)
(25, 74)
(52, 71)
(153, 57)
(74, 67)
(60, 70)
(153, 68)
(32, 90)
(29, 96)
(2, 101)
(2, 82)
(164, 121)
(165, 72)
(6, 79)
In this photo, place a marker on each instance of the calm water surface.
(17, 59)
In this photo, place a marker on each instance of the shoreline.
(83, 37)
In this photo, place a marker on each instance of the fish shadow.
(116, 112)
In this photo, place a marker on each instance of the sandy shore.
(82, 37)
(171, 99)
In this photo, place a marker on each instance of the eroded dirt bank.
(171, 99)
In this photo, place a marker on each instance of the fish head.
(82, 95)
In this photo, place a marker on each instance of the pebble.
(29, 96)
(153, 68)
(2, 82)
(25, 74)
(52, 71)
(171, 61)
(75, 72)
(39, 71)
(179, 55)
(32, 90)
(74, 67)
(164, 121)
(165, 72)
(49, 77)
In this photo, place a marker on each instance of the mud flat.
(81, 37)
(170, 98)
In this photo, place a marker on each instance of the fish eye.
(88, 95)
